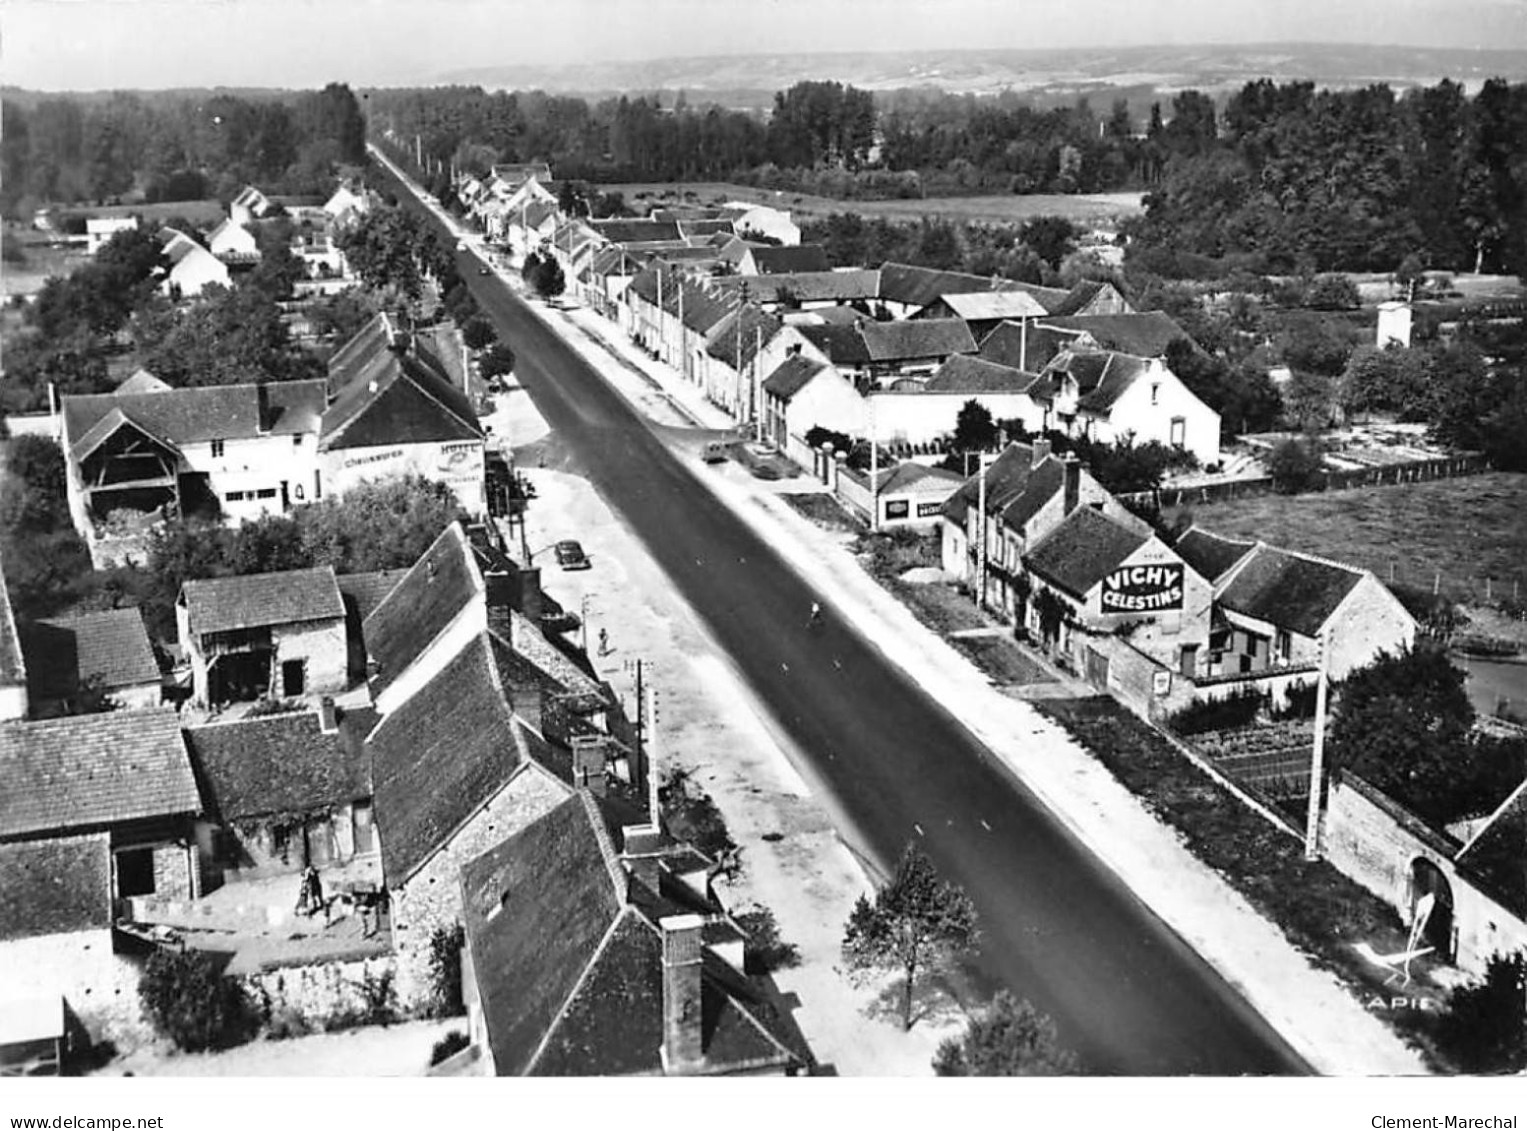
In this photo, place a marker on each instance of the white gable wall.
(1148, 409)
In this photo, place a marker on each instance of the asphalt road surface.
(1058, 928)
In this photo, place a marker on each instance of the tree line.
(173, 146)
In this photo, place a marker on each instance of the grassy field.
(1466, 530)
(989, 209)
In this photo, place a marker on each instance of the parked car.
(714, 452)
(570, 555)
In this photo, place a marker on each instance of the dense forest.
(1279, 178)
(173, 147)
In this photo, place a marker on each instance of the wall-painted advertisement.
(1143, 589)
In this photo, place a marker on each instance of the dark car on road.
(570, 555)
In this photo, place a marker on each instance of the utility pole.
(758, 397)
(981, 532)
(874, 473)
(1317, 760)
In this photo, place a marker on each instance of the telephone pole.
(1317, 759)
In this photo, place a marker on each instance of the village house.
(346, 207)
(71, 661)
(394, 410)
(905, 495)
(906, 291)
(282, 792)
(796, 296)
(585, 960)
(250, 205)
(744, 349)
(96, 812)
(232, 242)
(801, 394)
(921, 411)
(192, 268)
(238, 451)
(983, 311)
(530, 227)
(263, 635)
(99, 230)
(1106, 397)
(759, 220)
(874, 354)
(13, 668)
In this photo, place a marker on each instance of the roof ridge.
(1500, 809)
(606, 844)
(626, 910)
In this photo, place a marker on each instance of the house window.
(265, 493)
(217, 449)
(297, 440)
(1283, 645)
(1179, 432)
(235, 496)
(1155, 392)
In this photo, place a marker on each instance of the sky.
(152, 44)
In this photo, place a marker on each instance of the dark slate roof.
(1085, 548)
(1006, 478)
(55, 886)
(910, 476)
(1210, 554)
(363, 592)
(440, 756)
(363, 348)
(142, 381)
(737, 339)
(398, 399)
(963, 373)
(188, 416)
(279, 764)
(1051, 298)
(843, 344)
(90, 770)
(1038, 489)
(1144, 335)
(1290, 590)
(12, 665)
(528, 641)
(111, 647)
(911, 341)
(808, 286)
(790, 260)
(1007, 343)
(923, 286)
(421, 606)
(549, 881)
(591, 1005)
(636, 231)
(1080, 295)
(792, 375)
(255, 600)
(1496, 858)
(707, 227)
(1102, 376)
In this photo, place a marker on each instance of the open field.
(1465, 530)
(988, 209)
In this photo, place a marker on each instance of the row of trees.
(1348, 180)
(174, 146)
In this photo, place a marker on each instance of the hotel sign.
(1143, 589)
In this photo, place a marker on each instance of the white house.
(250, 205)
(922, 411)
(762, 220)
(232, 240)
(802, 394)
(192, 267)
(100, 229)
(1107, 396)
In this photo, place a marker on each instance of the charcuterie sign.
(1143, 589)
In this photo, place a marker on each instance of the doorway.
(293, 678)
(1427, 879)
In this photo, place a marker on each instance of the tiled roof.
(55, 886)
(737, 339)
(636, 231)
(1102, 377)
(910, 476)
(591, 1005)
(790, 260)
(529, 641)
(1496, 858)
(89, 770)
(1144, 335)
(398, 400)
(439, 757)
(13, 669)
(841, 342)
(989, 305)
(111, 647)
(421, 606)
(142, 381)
(189, 416)
(923, 286)
(1210, 554)
(792, 375)
(1039, 488)
(911, 341)
(281, 763)
(363, 592)
(1289, 590)
(1081, 295)
(1007, 343)
(1085, 548)
(1006, 478)
(1051, 298)
(549, 881)
(255, 600)
(814, 286)
(706, 227)
(963, 373)
(359, 351)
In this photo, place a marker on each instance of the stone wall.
(100, 986)
(326, 995)
(431, 898)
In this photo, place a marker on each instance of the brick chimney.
(328, 719)
(641, 848)
(683, 1042)
(589, 763)
(498, 597)
(531, 602)
(1073, 483)
(262, 409)
(1041, 451)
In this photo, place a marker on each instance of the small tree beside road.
(1008, 1038)
(915, 926)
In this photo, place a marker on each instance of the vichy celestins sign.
(1143, 589)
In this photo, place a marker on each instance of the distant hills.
(1046, 76)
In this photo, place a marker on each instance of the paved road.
(1059, 928)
